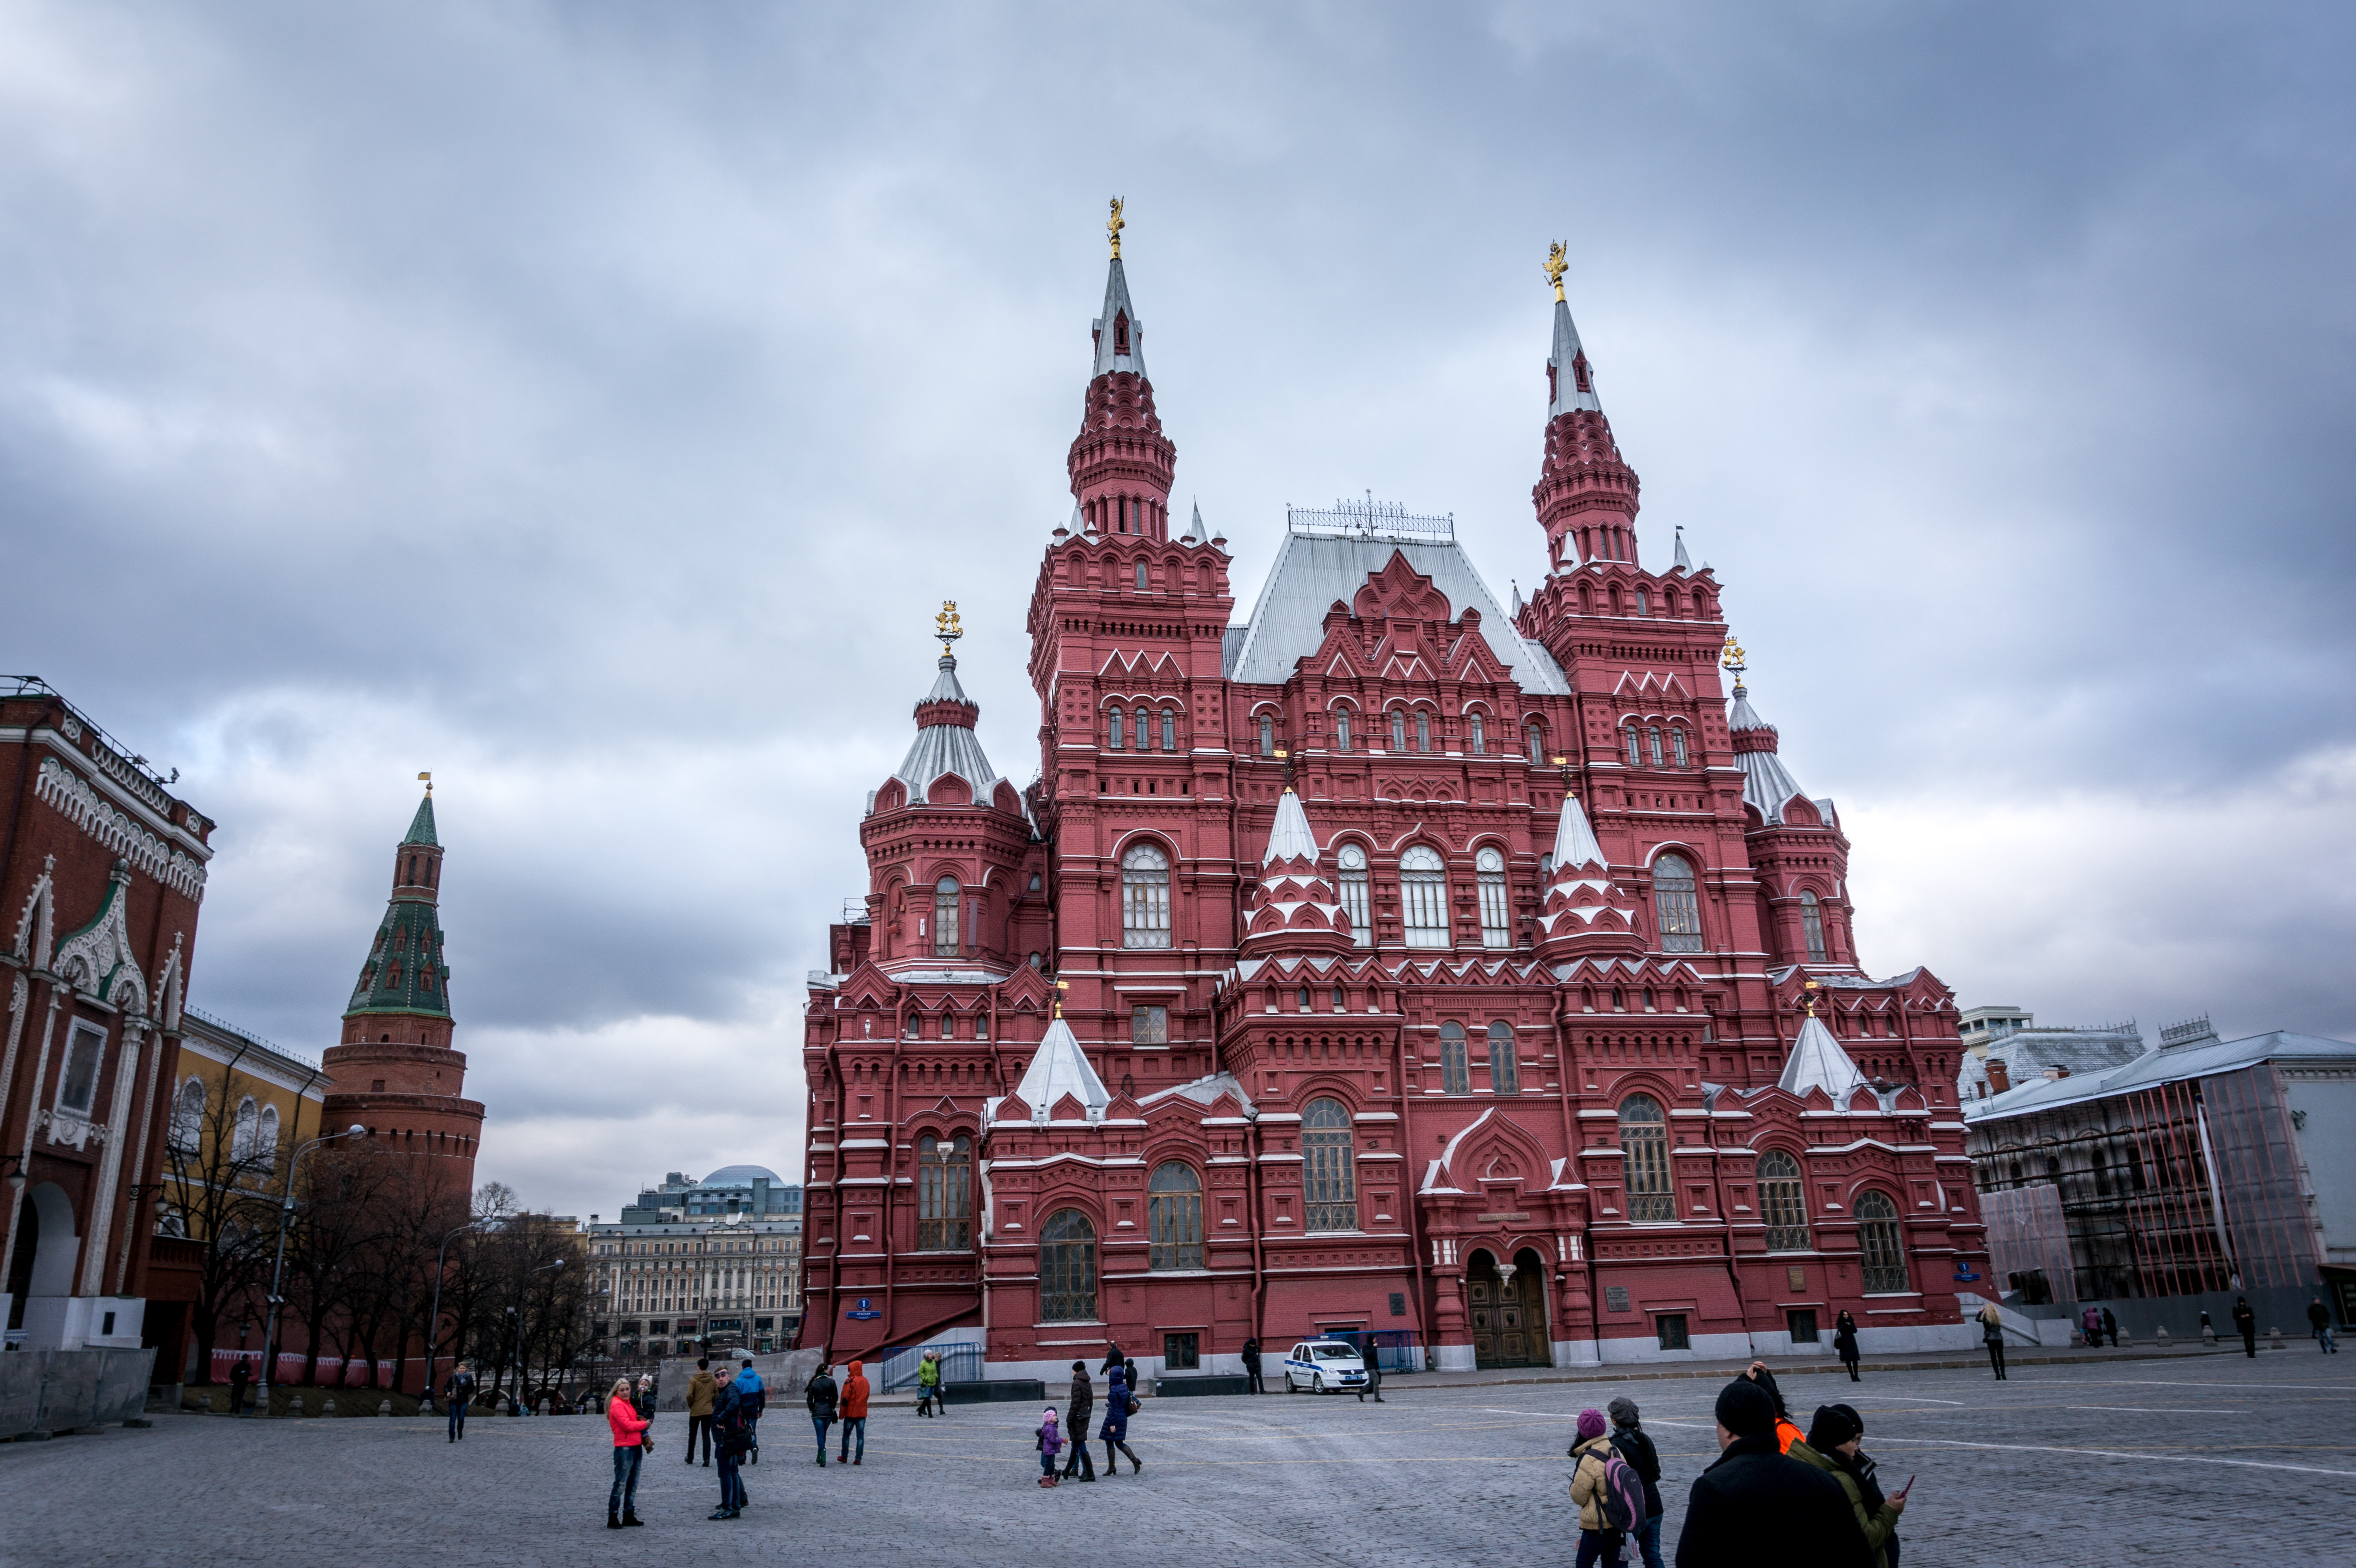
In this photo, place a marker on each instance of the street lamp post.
(278, 1270)
(515, 1403)
(434, 1323)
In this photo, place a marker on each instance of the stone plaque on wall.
(1797, 1276)
(1615, 1298)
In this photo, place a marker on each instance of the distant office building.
(732, 1190)
(715, 1263)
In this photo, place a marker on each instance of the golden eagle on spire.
(946, 626)
(1556, 267)
(1113, 226)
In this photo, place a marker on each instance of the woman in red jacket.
(629, 1448)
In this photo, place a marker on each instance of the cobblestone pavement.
(2215, 1459)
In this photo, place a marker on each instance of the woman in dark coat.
(1844, 1344)
(1115, 1430)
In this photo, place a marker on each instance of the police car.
(1321, 1364)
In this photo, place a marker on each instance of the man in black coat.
(1251, 1363)
(2245, 1324)
(1757, 1508)
(1075, 1423)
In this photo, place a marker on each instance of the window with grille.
(1883, 1248)
(1141, 576)
(1144, 730)
(1398, 730)
(1328, 1172)
(1812, 926)
(1531, 737)
(1115, 722)
(1342, 730)
(944, 1194)
(1148, 1026)
(1354, 893)
(1496, 920)
(1423, 897)
(1504, 1068)
(1173, 1217)
(1781, 1204)
(1677, 906)
(1068, 1268)
(945, 918)
(1644, 1141)
(1644, 602)
(1145, 897)
(1480, 736)
(1677, 744)
(1455, 1073)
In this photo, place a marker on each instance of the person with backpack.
(1992, 1335)
(1051, 1443)
(2245, 1324)
(854, 1413)
(1635, 1446)
(1844, 1344)
(731, 1435)
(753, 1398)
(819, 1393)
(1119, 1403)
(700, 1391)
(928, 1381)
(629, 1430)
(1761, 1507)
(1611, 1498)
(1084, 1403)
(1832, 1446)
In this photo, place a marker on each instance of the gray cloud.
(591, 404)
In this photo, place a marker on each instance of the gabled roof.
(1817, 1061)
(1204, 1091)
(1059, 1068)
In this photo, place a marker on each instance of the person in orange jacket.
(853, 1411)
(1785, 1432)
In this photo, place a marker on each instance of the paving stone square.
(2210, 1459)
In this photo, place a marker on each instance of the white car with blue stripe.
(1320, 1365)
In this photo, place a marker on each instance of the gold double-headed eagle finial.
(1733, 655)
(1556, 267)
(946, 626)
(1113, 226)
(427, 780)
(1812, 988)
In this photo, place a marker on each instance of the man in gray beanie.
(1635, 1446)
(1758, 1508)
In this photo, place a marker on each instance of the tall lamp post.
(278, 1270)
(514, 1405)
(434, 1322)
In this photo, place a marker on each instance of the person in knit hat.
(1635, 1446)
(1832, 1446)
(1051, 1443)
(1598, 1542)
(1758, 1507)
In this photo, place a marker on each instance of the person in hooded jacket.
(1251, 1363)
(1845, 1343)
(755, 1394)
(854, 1413)
(1598, 1542)
(1832, 1446)
(2245, 1324)
(1758, 1508)
(1115, 1430)
(1084, 1403)
(728, 1432)
(2089, 1324)
(1635, 1446)
(2318, 1320)
(819, 1393)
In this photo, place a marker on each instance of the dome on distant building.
(742, 1176)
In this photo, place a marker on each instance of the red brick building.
(1425, 966)
(101, 871)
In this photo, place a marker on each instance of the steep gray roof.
(1288, 837)
(1061, 1068)
(1117, 302)
(2167, 1064)
(1767, 783)
(1567, 395)
(946, 748)
(1203, 1091)
(1312, 571)
(1817, 1061)
(1574, 840)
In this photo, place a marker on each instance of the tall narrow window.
(265, 1138)
(1423, 897)
(1144, 730)
(1653, 735)
(944, 1194)
(1455, 1072)
(240, 1142)
(1645, 1142)
(1141, 576)
(1115, 722)
(1329, 1169)
(1781, 1202)
(1504, 1067)
(1677, 743)
(1530, 737)
(1168, 729)
(1480, 736)
(1266, 735)
(1644, 602)
(1342, 730)
(1496, 923)
(78, 1084)
(1883, 1247)
(1068, 1268)
(1398, 730)
(1173, 1217)
(1676, 907)
(945, 918)
(1635, 748)
(1354, 893)
(1812, 927)
(188, 1116)
(1422, 730)
(1144, 897)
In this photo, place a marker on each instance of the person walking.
(2245, 1324)
(2091, 1323)
(629, 1429)
(2111, 1327)
(700, 1388)
(1845, 1343)
(728, 1435)
(1372, 1359)
(754, 1396)
(240, 1377)
(1076, 1419)
(854, 1413)
(1051, 1443)
(1761, 1507)
(1635, 1446)
(1992, 1335)
(458, 1393)
(928, 1381)
(1832, 1446)
(1115, 1430)
(819, 1393)
(2319, 1318)
(1114, 1360)
(1251, 1363)
(1589, 1454)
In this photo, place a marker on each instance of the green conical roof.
(404, 972)
(420, 828)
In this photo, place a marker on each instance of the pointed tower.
(1295, 908)
(1584, 913)
(394, 1071)
(1586, 496)
(1794, 842)
(1121, 464)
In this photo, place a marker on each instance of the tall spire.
(404, 975)
(1121, 466)
(1571, 382)
(1586, 496)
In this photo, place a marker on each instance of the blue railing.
(960, 1364)
(1396, 1349)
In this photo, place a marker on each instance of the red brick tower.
(394, 1072)
(1120, 463)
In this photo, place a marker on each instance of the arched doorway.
(44, 1261)
(1508, 1311)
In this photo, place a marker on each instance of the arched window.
(1635, 747)
(1168, 729)
(1342, 730)
(1675, 905)
(1173, 1217)
(188, 1116)
(1652, 737)
(1781, 1202)
(1115, 722)
(1144, 897)
(1644, 602)
(1677, 744)
(265, 1138)
(1479, 735)
(1068, 1268)
(1455, 1074)
(240, 1143)
(1329, 1171)
(1144, 730)
(1141, 576)
(1423, 896)
(1422, 730)
(1504, 1070)
(1644, 1140)
(945, 918)
(1266, 735)
(945, 1194)
(1884, 1250)
(1497, 923)
(1398, 730)
(1812, 926)
(1354, 893)
(1531, 737)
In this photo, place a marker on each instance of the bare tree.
(219, 1168)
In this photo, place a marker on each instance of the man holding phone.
(1833, 1445)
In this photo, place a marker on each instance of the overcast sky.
(592, 403)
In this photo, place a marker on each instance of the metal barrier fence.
(1396, 1349)
(960, 1364)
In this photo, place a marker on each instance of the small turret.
(1295, 908)
(1585, 913)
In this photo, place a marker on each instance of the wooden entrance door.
(1508, 1316)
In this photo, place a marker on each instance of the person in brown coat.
(699, 1389)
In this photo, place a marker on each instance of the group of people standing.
(846, 1403)
(724, 1412)
(1120, 1403)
